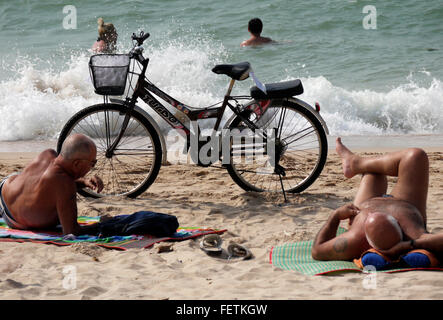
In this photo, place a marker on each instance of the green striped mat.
(297, 257)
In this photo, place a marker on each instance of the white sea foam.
(36, 103)
(406, 109)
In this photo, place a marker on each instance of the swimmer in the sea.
(255, 27)
(107, 38)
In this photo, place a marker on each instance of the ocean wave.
(405, 109)
(36, 103)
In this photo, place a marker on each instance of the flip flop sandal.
(211, 244)
(236, 250)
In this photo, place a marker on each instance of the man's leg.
(371, 185)
(411, 166)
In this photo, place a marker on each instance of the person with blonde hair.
(107, 38)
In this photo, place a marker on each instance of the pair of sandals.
(212, 245)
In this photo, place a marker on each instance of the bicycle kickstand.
(281, 171)
(283, 188)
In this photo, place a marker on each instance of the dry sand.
(207, 197)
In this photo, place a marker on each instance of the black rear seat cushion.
(278, 90)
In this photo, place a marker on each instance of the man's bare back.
(43, 195)
(30, 195)
(255, 27)
(256, 41)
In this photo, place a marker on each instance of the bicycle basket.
(109, 73)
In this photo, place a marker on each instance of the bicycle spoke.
(299, 152)
(131, 163)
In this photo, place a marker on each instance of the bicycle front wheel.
(299, 143)
(135, 162)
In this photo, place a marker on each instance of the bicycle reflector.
(317, 107)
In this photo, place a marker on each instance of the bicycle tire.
(299, 165)
(127, 165)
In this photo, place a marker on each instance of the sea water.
(375, 67)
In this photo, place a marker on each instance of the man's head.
(382, 231)
(80, 152)
(255, 26)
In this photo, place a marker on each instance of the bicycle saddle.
(277, 90)
(238, 71)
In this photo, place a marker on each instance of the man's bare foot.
(347, 158)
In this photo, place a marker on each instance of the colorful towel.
(297, 256)
(115, 242)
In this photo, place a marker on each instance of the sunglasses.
(93, 162)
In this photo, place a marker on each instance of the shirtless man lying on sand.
(392, 224)
(43, 195)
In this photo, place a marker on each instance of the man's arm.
(431, 242)
(427, 241)
(66, 204)
(344, 247)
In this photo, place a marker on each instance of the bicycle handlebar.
(137, 51)
(141, 38)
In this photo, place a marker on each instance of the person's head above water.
(382, 231)
(255, 26)
(107, 31)
(107, 40)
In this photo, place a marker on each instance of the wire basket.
(109, 73)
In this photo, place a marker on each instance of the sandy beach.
(207, 197)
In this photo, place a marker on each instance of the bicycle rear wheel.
(134, 164)
(300, 149)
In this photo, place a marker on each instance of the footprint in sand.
(12, 284)
(200, 173)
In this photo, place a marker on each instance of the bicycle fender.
(154, 124)
(312, 110)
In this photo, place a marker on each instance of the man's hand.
(397, 250)
(348, 211)
(346, 246)
(94, 182)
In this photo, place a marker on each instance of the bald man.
(43, 195)
(392, 224)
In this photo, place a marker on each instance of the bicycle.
(289, 156)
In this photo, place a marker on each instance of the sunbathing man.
(43, 195)
(392, 224)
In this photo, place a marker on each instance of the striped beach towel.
(115, 242)
(297, 257)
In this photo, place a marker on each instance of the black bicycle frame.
(143, 90)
